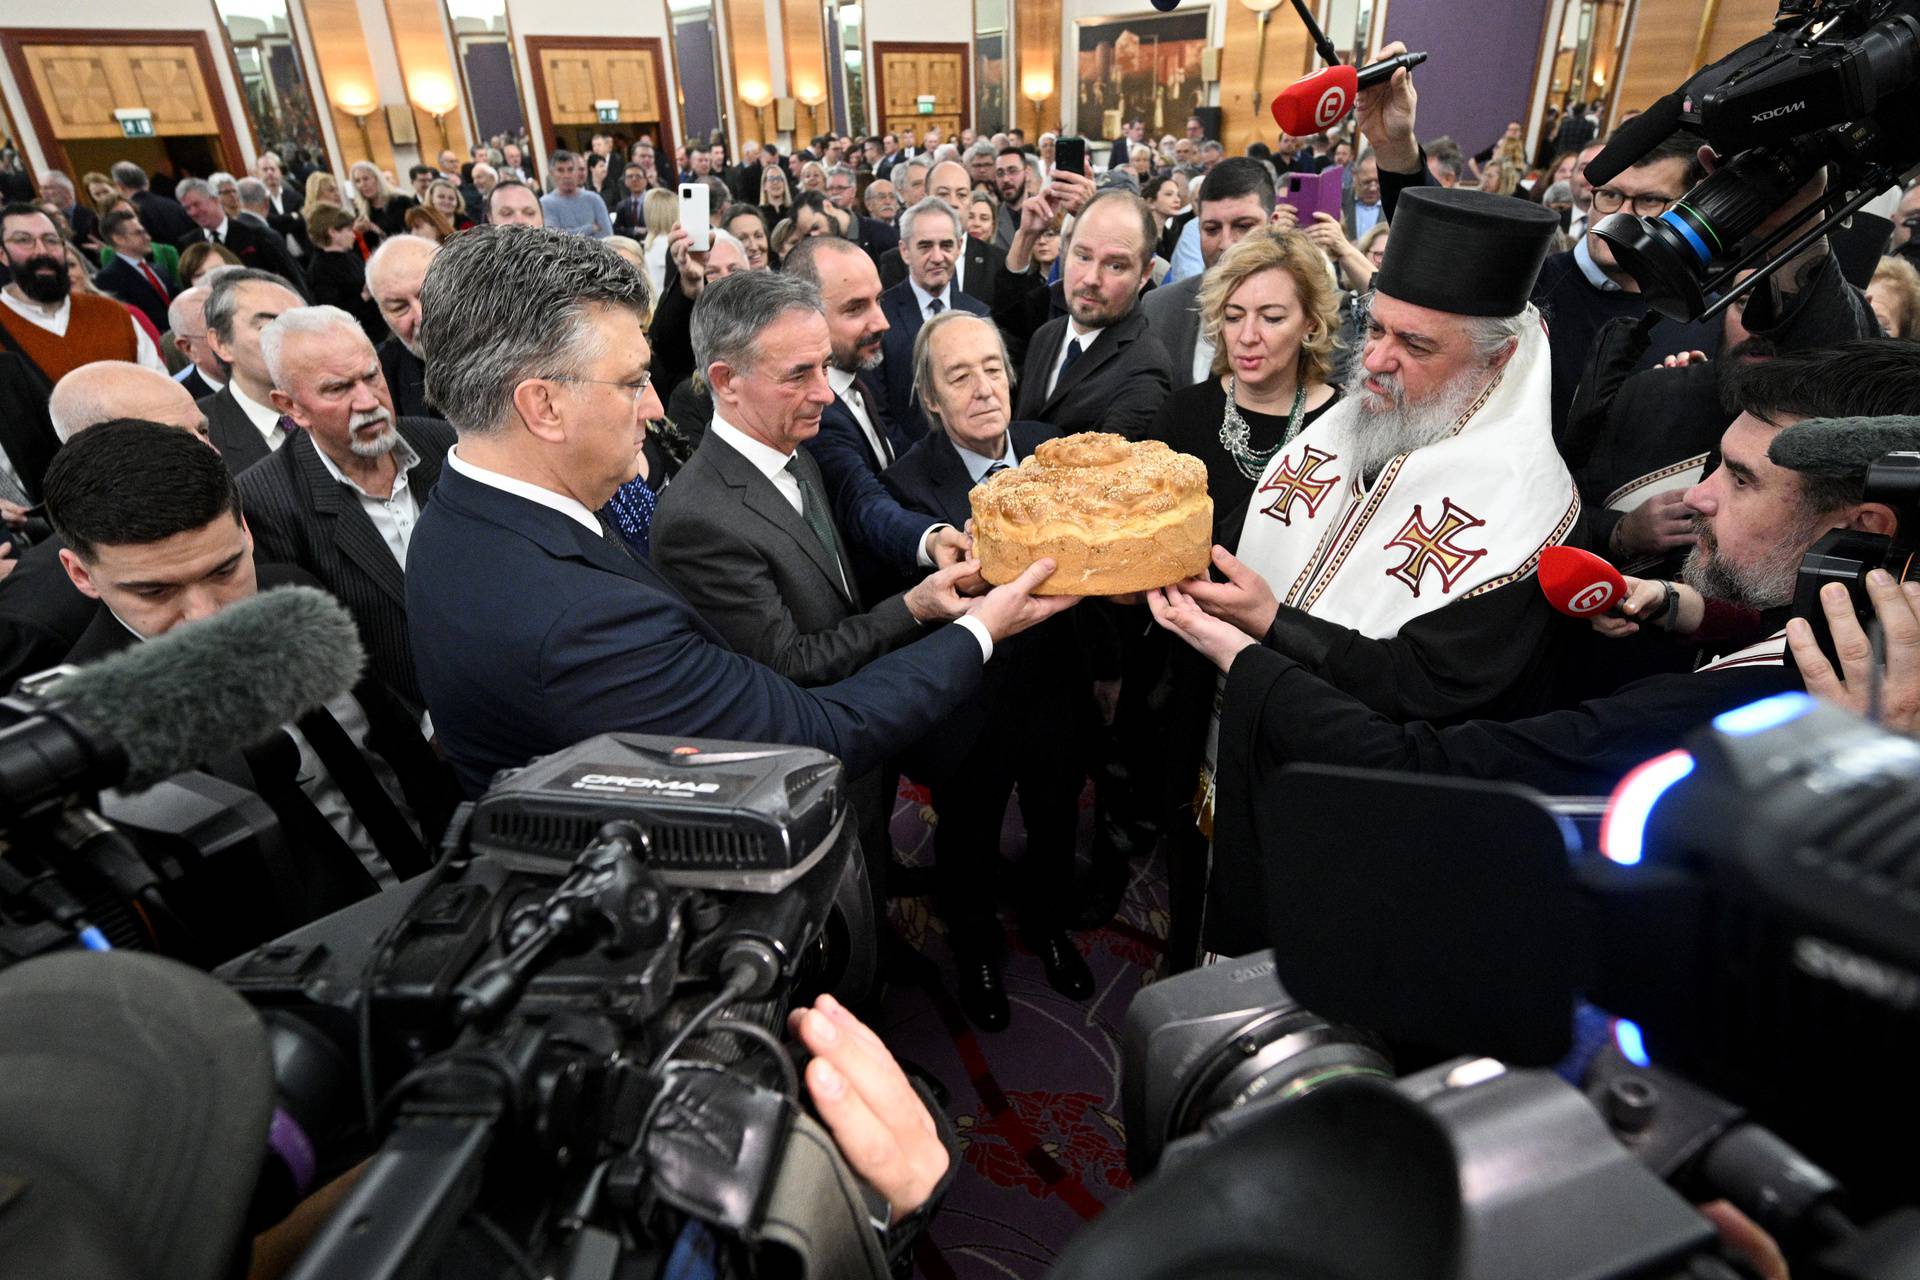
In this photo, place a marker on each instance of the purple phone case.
(1319, 193)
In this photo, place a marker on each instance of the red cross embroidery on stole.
(1303, 484)
(1432, 547)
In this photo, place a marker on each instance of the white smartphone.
(696, 215)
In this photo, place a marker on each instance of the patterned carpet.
(1037, 1106)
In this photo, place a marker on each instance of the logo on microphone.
(1591, 599)
(1332, 105)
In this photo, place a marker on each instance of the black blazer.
(531, 632)
(748, 563)
(163, 218)
(1116, 385)
(234, 435)
(984, 261)
(259, 247)
(196, 384)
(42, 614)
(126, 282)
(340, 280)
(406, 379)
(301, 515)
(904, 322)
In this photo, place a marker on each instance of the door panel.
(903, 72)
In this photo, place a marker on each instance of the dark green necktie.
(814, 512)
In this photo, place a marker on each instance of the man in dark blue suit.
(857, 438)
(532, 626)
(931, 239)
(1037, 704)
(130, 277)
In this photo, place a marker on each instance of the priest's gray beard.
(1766, 584)
(1390, 425)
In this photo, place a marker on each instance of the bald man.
(977, 266)
(42, 614)
(187, 330)
(395, 273)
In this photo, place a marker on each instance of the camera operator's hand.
(1218, 642)
(1655, 527)
(1741, 1235)
(1681, 359)
(1897, 605)
(1010, 609)
(882, 1127)
(1385, 114)
(1244, 599)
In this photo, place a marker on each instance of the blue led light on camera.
(1673, 219)
(1768, 713)
(1632, 1044)
(1623, 830)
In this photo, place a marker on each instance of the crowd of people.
(572, 474)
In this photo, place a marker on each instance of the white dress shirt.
(842, 383)
(55, 320)
(1203, 351)
(978, 464)
(571, 508)
(393, 516)
(1085, 337)
(265, 418)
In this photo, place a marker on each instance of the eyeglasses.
(21, 240)
(1651, 205)
(634, 390)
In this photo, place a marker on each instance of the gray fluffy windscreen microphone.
(216, 685)
(1842, 448)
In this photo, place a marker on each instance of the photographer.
(1756, 520)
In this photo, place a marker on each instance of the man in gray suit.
(745, 530)
(1236, 200)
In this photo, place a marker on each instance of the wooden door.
(73, 81)
(903, 72)
(571, 73)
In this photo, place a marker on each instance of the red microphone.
(1322, 100)
(1579, 583)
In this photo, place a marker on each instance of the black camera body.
(1847, 556)
(576, 1010)
(1830, 87)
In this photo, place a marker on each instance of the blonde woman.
(662, 211)
(322, 188)
(1272, 315)
(776, 195)
(813, 177)
(1894, 295)
(375, 203)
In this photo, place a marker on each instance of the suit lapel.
(1040, 362)
(1106, 346)
(351, 527)
(951, 483)
(759, 496)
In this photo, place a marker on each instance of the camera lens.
(1669, 256)
(1278, 1056)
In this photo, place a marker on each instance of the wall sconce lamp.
(359, 102)
(757, 95)
(434, 95)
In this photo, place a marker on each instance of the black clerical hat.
(1471, 253)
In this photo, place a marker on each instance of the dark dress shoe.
(1067, 970)
(983, 992)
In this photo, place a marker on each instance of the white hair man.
(395, 274)
(341, 498)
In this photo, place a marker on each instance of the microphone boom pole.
(1322, 45)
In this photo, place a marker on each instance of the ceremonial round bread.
(1115, 515)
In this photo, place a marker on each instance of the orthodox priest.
(1389, 548)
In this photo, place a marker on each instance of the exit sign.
(136, 122)
(924, 104)
(608, 110)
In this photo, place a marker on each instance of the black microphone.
(176, 702)
(1634, 139)
(1322, 100)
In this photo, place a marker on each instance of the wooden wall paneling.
(1665, 35)
(72, 81)
(903, 70)
(1037, 36)
(803, 32)
(1243, 118)
(571, 73)
(346, 74)
(428, 72)
(751, 57)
